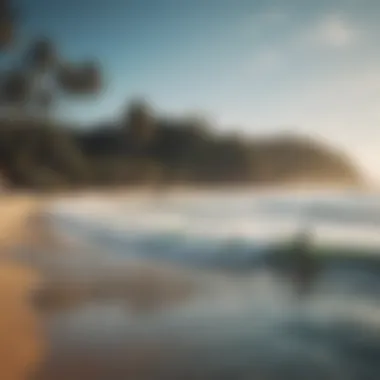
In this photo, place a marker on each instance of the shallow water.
(123, 259)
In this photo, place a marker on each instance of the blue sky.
(257, 66)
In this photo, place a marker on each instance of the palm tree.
(40, 77)
(44, 77)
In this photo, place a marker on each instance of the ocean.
(172, 286)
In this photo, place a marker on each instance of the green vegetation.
(41, 155)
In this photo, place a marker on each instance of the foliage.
(42, 77)
(7, 21)
(41, 154)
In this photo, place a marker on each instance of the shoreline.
(185, 190)
(21, 346)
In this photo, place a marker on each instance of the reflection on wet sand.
(144, 288)
(221, 327)
(275, 341)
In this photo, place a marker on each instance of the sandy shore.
(21, 346)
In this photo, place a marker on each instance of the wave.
(218, 230)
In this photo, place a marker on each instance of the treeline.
(145, 149)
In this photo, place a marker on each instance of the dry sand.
(21, 346)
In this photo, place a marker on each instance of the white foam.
(209, 225)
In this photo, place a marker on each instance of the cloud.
(333, 30)
(330, 30)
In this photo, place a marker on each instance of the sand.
(21, 344)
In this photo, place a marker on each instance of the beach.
(21, 343)
(99, 286)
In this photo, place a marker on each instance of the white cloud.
(333, 30)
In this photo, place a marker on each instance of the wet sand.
(21, 342)
(220, 327)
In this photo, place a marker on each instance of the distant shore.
(191, 189)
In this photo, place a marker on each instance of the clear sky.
(256, 65)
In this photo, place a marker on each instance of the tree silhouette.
(140, 126)
(15, 87)
(44, 77)
(79, 79)
(7, 20)
(41, 76)
(41, 55)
